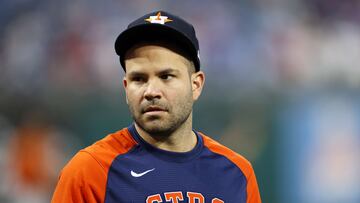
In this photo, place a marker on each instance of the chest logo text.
(177, 197)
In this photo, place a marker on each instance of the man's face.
(160, 90)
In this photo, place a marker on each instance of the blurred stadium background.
(283, 84)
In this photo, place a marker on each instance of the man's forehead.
(136, 70)
(148, 48)
(154, 57)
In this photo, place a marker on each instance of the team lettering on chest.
(178, 197)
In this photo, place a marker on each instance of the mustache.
(153, 105)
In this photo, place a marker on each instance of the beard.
(173, 117)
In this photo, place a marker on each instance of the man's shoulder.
(89, 168)
(239, 160)
(101, 154)
(115, 143)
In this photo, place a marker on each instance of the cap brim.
(150, 32)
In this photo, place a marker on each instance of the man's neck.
(182, 139)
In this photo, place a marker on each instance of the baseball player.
(158, 158)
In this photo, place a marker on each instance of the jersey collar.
(168, 155)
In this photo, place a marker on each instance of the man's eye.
(166, 76)
(137, 79)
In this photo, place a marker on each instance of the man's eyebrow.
(168, 70)
(135, 73)
(160, 72)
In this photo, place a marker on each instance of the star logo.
(159, 19)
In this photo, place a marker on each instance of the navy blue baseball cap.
(157, 26)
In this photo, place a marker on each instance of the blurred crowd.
(282, 85)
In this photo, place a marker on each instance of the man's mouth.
(153, 109)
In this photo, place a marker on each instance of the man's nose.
(152, 91)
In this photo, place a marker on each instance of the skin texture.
(161, 87)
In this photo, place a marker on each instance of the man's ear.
(124, 82)
(125, 88)
(197, 84)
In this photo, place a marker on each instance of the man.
(159, 158)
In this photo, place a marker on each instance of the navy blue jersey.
(123, 168)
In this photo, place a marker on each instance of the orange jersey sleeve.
(253, 194)
(72, 186)
(83, 179)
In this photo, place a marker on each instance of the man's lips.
(153, 109)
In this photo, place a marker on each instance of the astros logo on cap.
(158, 19)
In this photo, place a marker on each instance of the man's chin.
(155, 127)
